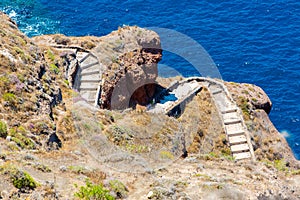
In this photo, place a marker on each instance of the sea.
(251, 41)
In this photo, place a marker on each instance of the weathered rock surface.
(29, 90)
(128, 58)
(267, 142)
(253, 94)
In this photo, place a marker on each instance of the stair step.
(232, 121)
(89, 84)
(234, 127)
(237, 139)
(92, 89)
(217, 91)
(93, 77)
(230, 116)
(89, 73)
(88, 94)
(81, 56)
(229, 110)
(239, 148)
(90, 100)
(90, 81)
(235, 132)
(243, 155)
(89, 65)
(67, 50)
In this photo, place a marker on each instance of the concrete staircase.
(184, 91)
(235, 128)
(88, 77)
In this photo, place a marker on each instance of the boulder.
(129, 56)
(253, 94)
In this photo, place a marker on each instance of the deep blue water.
(250, 41)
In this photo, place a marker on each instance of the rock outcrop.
(267, 142)
(31, 88)
(128, 60)
(253, 95)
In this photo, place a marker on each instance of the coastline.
(54, 138)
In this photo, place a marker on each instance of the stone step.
(239, 148)
(90, 81)
(242, 155)
(217, 91)
(229, 110)
(234, 127)
(67, 50)
(89, 73)
(90, 100)
(91, 68)
(235, 132)
(90, 89)
(230, 116)
(232, 121)
(89, 84)
(83, 67)
(88, 94)
(94, 77)
(237, 139)
(81, 56)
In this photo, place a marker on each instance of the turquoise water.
(250, 41)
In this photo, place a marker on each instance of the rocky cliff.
(128, 60)
(55, 145)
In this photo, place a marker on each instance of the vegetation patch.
(118, 188)
(3, 129)
(20, 179)
(91, 191)
(54, 69)
(19, 137)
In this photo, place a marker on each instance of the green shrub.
(20, 139)
(243, 104)
(3, 129)
(280, 165)
(22, 180)
(54, 68)
(166, 155)
(9, 97)
(50, 55)
(91, 191)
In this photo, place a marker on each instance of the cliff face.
(39, 112)
(128, 60)
(28, 88)
(131, 69)
(267, 142)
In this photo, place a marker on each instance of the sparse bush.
(77, 169)
(19, 137)
(10, 98)
(91, 191)
(119, 188)
(54, 68)
(244, 105)
(280, 165)
(22, 180)
(166, 155)
(50, 55)
(3, 129)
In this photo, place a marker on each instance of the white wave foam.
(285, 133)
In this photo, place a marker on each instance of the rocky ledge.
(54, 144)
